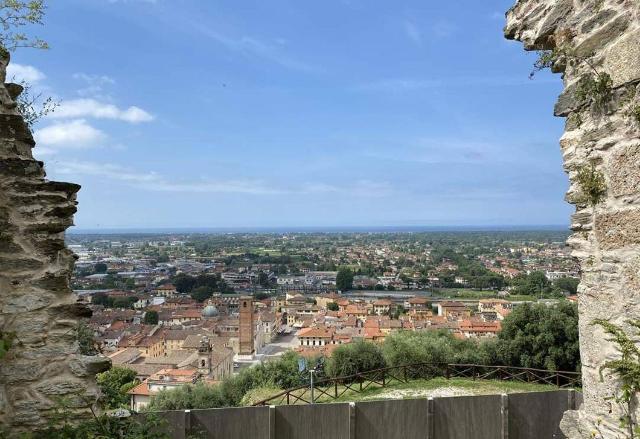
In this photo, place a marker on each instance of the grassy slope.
(436, 387)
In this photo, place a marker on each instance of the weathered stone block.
(602, 36)
(618, 229)
(83, 365)
(624, 171)
(622, 59)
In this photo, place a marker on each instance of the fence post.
(431, 427)
(187, 423)
(272, 422)
(504, 413)
(352, 420)
(448, 372)
(336, 388)
(571, 399)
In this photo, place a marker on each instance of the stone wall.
(597, 38)
(36, 303)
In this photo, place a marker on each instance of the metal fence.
(331, 389)
(533, 415)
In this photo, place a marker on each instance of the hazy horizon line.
(319, 229)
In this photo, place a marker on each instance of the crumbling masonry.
(593, 39)
(36, 303)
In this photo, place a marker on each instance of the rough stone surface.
(36, 303)
(606, 241)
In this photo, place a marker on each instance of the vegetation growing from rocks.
(33, 106)
(627, 370)
(86, 340)
(6, 341)
(592, 184)
(594, 88)
(635, 113)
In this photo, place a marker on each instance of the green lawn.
(456, 293)
(437, 387)
(421, 388)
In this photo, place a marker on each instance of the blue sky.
(194, 113)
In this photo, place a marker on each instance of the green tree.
(114, 384)
(332, 306)
(344, 279)
(541, 336)
(151, 318)
(100, 267)
(263, 279)
(355, 357)
(534, 283)
(567, 284)
(201, 293)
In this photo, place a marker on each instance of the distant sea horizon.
(315, 229)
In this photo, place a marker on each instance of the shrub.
(354, 358)
(197, 396)
(114, 385)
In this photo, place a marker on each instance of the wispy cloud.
(254, 47)
(443, 29)
(72, 134)
(88, 107)
(363, 188)
(94, 85)
(153, 181)
(399, 85)
(156, 182)
(413, 32)
(26, 73)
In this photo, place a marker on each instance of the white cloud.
(95, 85)
(76, 108)
(153, 181)
(72, 134)
(413, 32)
(21, 72)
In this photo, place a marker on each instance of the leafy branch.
(33, 106)
(627, 369)
(14, 15)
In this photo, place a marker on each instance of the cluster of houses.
(187, 341)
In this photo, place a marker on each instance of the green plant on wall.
(594, 88)
(627, 370)
(634, 112)
(6, 341)
(592, 184)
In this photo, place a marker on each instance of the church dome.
(210, 311)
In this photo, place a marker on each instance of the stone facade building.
(37, 308)
(596, 46)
